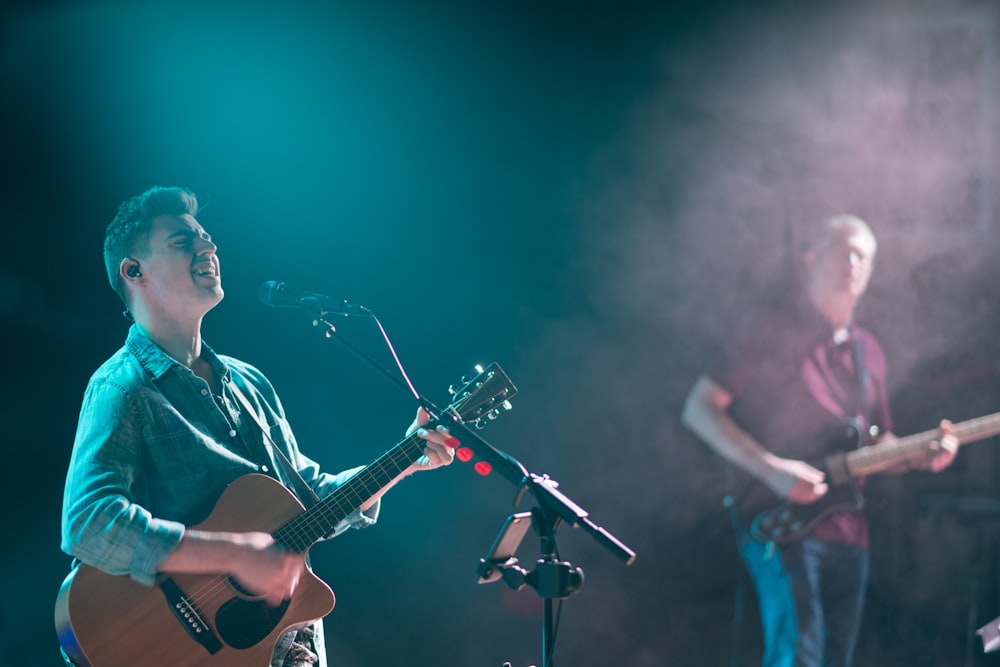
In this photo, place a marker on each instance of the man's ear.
(130, 268)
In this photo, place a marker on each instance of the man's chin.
(214, 298)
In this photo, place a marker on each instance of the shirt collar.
(156, 362)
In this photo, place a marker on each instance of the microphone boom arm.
(541, 487)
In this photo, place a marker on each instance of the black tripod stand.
(552, 579)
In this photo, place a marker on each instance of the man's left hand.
(943, 450)
(439, 445)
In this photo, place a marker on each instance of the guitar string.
(305, 525)
(220, 585)
(335, 505)
(217, 588)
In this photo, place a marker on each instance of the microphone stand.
(551, 579)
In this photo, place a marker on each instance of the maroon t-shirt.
(791, 383)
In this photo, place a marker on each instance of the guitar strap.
(305, 493)
(864, 379)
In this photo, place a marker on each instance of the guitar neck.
(319, 521)
(912, 448)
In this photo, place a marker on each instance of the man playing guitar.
(780, 381)
(167, 425)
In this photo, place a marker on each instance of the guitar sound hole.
(245, 623)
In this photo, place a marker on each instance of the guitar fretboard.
(912, 448)
(319, 521)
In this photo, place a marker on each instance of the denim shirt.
(155, 449)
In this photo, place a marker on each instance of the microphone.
(278, 295)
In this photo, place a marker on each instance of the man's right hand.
(706, 414)
(252, 558)
(796, 480)
(263, 568)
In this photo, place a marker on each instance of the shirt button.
(204, 392)
(232, 434)
(264, 468)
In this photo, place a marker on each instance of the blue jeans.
(811, 597)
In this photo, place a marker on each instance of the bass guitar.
(788, 521)
(105, 620)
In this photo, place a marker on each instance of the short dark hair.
(128, 234)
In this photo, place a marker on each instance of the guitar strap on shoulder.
(305, 493)
(864, 379)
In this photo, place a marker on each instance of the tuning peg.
(505, 406)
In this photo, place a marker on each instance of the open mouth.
(205, 270)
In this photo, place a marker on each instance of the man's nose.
(206, 247)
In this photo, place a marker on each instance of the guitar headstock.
(482, 398)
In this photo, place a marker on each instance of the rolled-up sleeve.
(102, 525)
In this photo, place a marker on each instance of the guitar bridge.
(188, 615)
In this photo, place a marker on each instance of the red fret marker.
(464, 454)
(483, 468)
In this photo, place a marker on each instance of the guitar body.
(790, 521)
(105, 620)
(773, 519)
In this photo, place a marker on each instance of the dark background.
(590, 194)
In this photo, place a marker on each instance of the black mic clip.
(278, 295)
